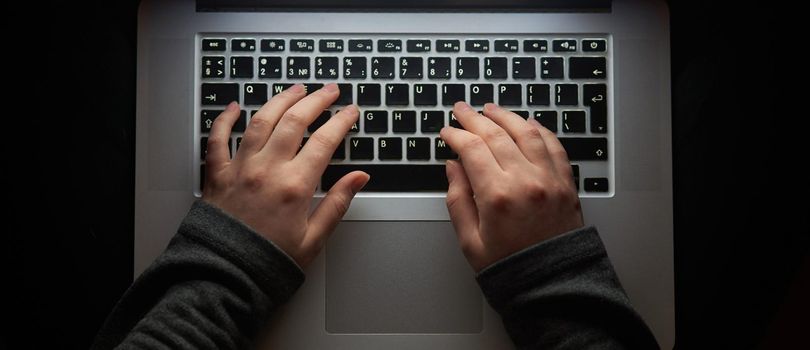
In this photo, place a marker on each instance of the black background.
(741, 241)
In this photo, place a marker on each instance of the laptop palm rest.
(399, 277)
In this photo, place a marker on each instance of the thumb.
(334, 205)
(462, 209)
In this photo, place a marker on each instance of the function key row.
(414, 45)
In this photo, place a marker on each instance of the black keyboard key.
(424, 94)
(551, 68)
(255, 93)
(448, 45)
(355, 127)
(204, 147)
(573, 121)
(298, 67)
(382, 68)
(585, 148)
(432, 121)
(302, 45)
(575, 171)
(330, 45)
(397, 95)
(271, 45)
(452, 93)
(270, 67)
(595, 184)
(595, 96)
(510, 95)
(410, 68)
(443, 150)
(523, 68)
(506, 45)
(538, 94)
(202, 176)
(389, 45)
(375, 121)
(439, 68)
(340, 151)
(346, 97)
(522, 114)
(279, 87)
(213, 44)
(361, 45)
(238, 142)
(418, 45)
(495, 68)
(243, 45)
(594, 45)
(564, 45)
(535, 46)
(587, 68)
(467, 67)
(208, 116)
(404, 121)
(547, 118)
(417, 148)
(477, 45)
(354, 67)
(452, 121)
(326, 67)
(566, 94)
(310, 88)
(219, 94)
(213, 67)
(368, 94)
(389, 148)
(389, 177)
(241, 67)
(360, 148)
(481, 94)
(320, 121)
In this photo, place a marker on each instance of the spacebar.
(393, 177)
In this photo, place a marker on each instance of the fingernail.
(352, 108)
(233, 105)
(331, 87)
(297, 88)
(358, 185)
(463, 106)
(490, 107)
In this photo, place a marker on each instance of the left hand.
(269, 184)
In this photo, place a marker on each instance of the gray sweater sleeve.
(213, 288)
(563, 294)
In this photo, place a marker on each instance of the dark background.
(741, 242)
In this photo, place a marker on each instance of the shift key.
(585, 148)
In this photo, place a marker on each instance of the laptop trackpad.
(399, 277)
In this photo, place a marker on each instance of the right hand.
(513, 187)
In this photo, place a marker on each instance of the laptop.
(596, 72)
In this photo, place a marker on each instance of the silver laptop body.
(392, 275)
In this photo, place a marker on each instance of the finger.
(262, 123)
(218, 152)
(526, 136)
(462, 209)
(556, 151)
(502, 146)
(286, 138)
(321, 145)
(476, 157)
(332, 207)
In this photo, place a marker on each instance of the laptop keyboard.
(406, 86)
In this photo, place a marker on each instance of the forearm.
(212, 288)
(564, 294)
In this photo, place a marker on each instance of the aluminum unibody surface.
(635, 223)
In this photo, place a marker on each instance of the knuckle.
(253, 180)
(259, 123)
(537, 193)
(294, 118)
(217, 141)
(321, 140)
(532, 132)
(499, 201)
(473, 143)
(340, 204)
(291, 192)
(495, 134)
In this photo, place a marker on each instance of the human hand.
(513, 187)
(267, 185)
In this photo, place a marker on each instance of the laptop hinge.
(404, 5)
